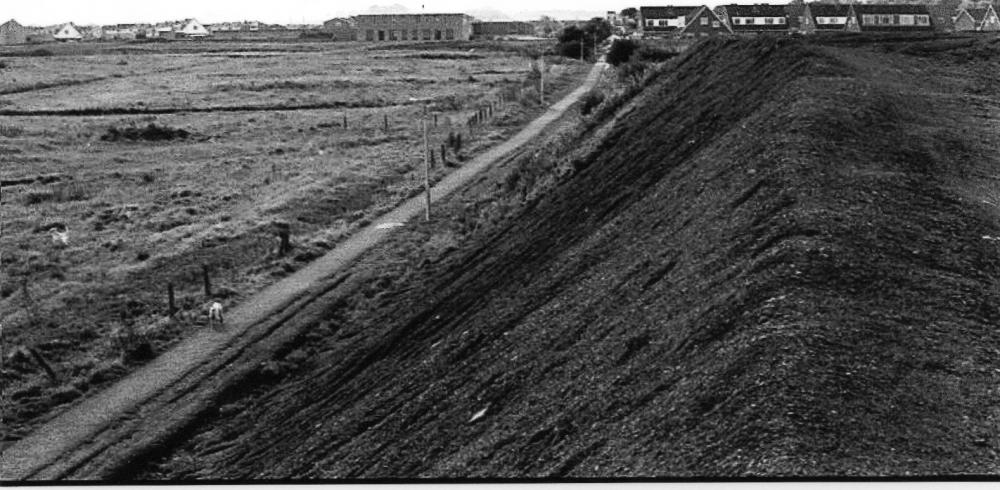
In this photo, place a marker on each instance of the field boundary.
(73, 435)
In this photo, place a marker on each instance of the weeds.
(65, 192)
(590, 101)
(8, 131)
(152, 132)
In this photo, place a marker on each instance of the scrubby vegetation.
(150, 132)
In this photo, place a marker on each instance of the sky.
(84, 12)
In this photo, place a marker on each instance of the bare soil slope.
(778, 261)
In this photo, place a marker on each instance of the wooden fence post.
(435, 120)
(444, 160)
(385, 122)
(345, 121)
(205, 279)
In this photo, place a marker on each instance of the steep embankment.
(778, 261)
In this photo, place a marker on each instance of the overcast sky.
(46, 12)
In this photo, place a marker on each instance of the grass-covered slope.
(777, 262)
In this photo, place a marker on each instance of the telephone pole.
(541, 79)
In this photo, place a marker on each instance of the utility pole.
(541, 79)
(581, 47)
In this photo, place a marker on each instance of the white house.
(193, 28)
(67, 32)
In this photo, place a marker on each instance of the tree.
(629, 13)
(594, 31)
(621, 50)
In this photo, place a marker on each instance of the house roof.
(757, 10)
(828, 10)
(10, 24)
(977, 14)
(668, 12)
(697, 13)
(891, 9)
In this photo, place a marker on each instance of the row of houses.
(812, 18)
(422, 27)
(11, 32)
(389, 27)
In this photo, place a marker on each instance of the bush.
(72, 191)
(9, 131)
(39, 52)
(654, 54)
(590, 101)
(632, 71)
(621, 50)
(152, 132)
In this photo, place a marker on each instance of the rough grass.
(144, 214)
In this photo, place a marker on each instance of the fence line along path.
(74, 429)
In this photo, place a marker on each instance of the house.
(414, 27)
(704, 23)
(664, 20)
(977, 19)
(126, 32)
(67, 32)
(13, 33)
(823, 17)
(754, 19)
(943, 14)
(191, 28)
(341, 29)
(91, 33)
(888, 18)
(495, 30)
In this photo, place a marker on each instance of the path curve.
(51, 444)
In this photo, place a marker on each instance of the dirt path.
(66, 441)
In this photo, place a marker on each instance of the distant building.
(91, 33)
(703, 22)
(888, 18)
(414, 27)
(13, 33)
(126, 32)
(494, 30)
(191, 28)
(341, 29)
(664, 20)
(977, 19)
(823, 17)
(755, 19)
(67, 32)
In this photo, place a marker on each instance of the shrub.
(590, 101)
(71, 191)
(152, 132)
(9, 131)
(621, 50)
(632, 71)
(655, 54)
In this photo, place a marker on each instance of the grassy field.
(164, 158)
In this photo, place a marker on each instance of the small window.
(737, 21)
(715, 24)
(769, 20)
(449, 33)
(704, 21)
(781, 20)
